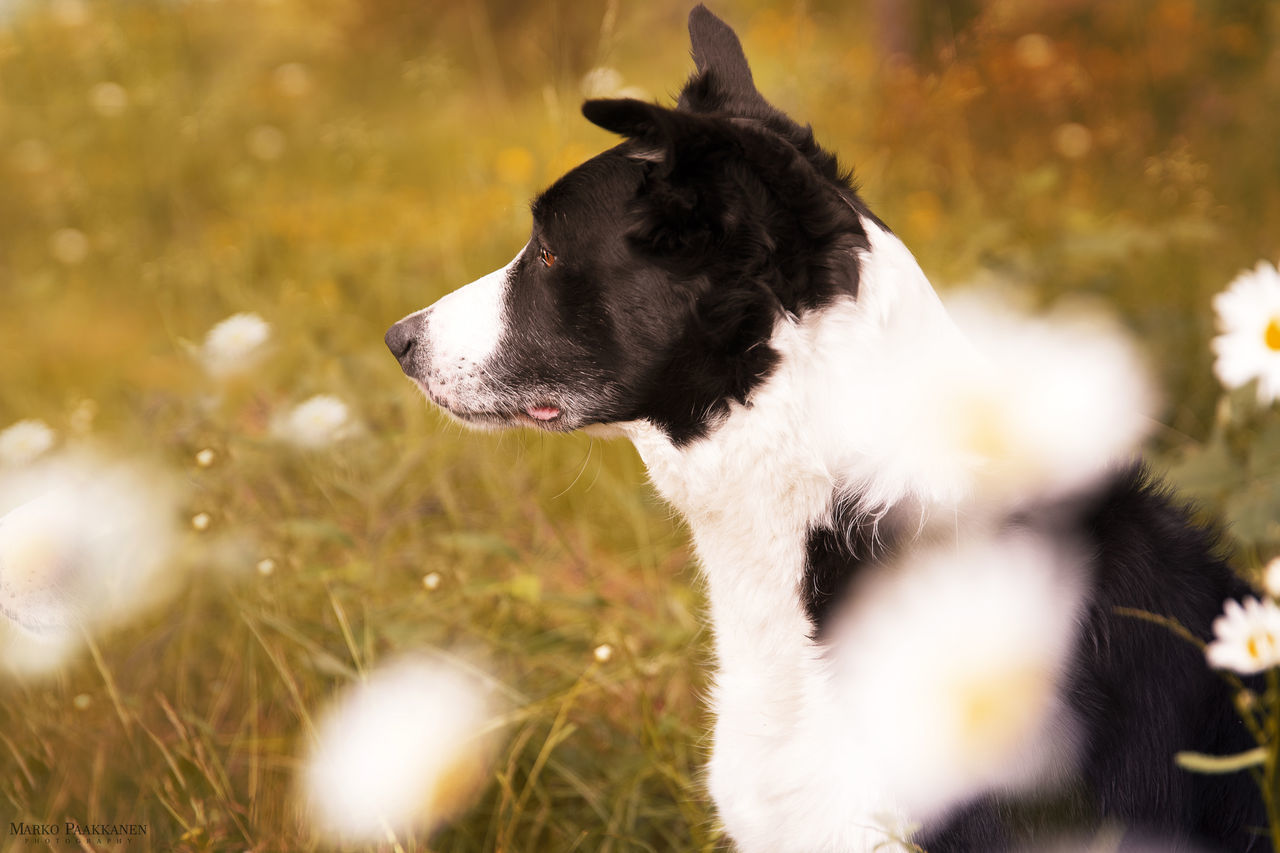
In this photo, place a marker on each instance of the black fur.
(836, 552)
(1140, 693)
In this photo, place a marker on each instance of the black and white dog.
(714, 289)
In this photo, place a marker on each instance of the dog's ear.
(716, 49)
(627, 117)
(723, 80)
(655, 129)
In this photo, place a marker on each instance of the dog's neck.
(824, 427)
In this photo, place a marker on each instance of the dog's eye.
(546, 257)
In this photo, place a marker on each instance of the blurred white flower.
(1271, 578)
(1073, 398)
(292, 79)
(235, 345)
(604, 82)
(109, 99)
(206, 457)
(1246, 638)
(84, 544)
(982, 631)
(24, 442)
(200, 521)
(266, 566)
(26, 654)
(69, 246)
(402, 752)
(603, 653)
(601, 82)
(431, 580)
(38, 556)
(1018, 408)
(315, 423)
(266, 142)
(1249, 320)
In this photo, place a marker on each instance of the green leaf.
(1198, 762)
(1254, 513)
(1207, 471)
(1264, 451)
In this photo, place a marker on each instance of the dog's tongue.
(543, 413)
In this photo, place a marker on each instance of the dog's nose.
(401, 339)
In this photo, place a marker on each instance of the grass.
(399, 169)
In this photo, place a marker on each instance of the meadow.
(331, 165)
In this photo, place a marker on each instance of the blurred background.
(331, 165)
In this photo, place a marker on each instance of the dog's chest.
(778, 722)
(784, 772)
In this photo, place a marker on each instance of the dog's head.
(655, 271)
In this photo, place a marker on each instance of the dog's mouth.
(545, 413)
(542, 415)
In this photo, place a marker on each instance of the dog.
(714, 289)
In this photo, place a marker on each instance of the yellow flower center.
(996, 710)
(1272, 334)
(1260, 645)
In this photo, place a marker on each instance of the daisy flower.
(984, 627)
(401, 752)
(84, 544)
(1249, 319)
(1011, 408)
(1246, 638)
(24, 442)
(235, 345)
(317, 422)
(38, 555)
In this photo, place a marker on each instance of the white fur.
(463, 330)
(788, 770)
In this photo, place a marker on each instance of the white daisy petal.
(84, 543)
(235, 345)
(403, 751)
(1248, 315)
(1246, 638)
(315, 423)
(984, 628)
(24, 442)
